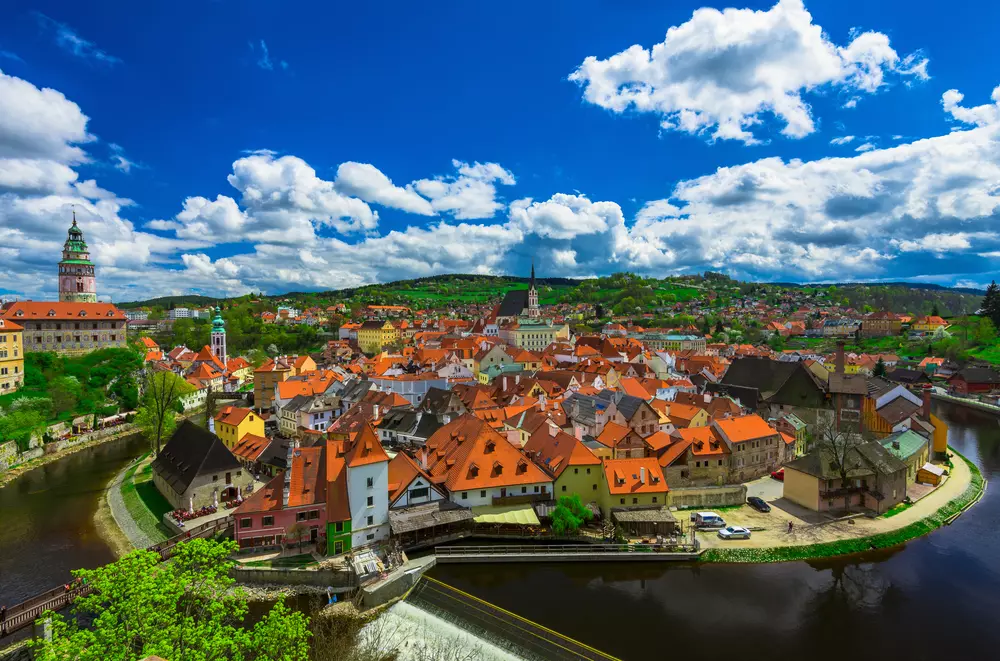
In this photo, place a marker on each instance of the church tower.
(77, 283)
(219, 336)
(533, 311)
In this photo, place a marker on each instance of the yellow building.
(11, 356)
(274, 371)
(631, 483)
(232, 423)
(574, 468)
(373, 336)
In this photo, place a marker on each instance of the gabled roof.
(555, 450)
(192, 451)
(232, 415)
(251, 447)
(403, 470)
(365, 448)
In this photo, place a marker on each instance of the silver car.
(734, 532)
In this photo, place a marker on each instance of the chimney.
(839, 363)
(553, 430)
(505, 384)
(642, 475)
(925, 408)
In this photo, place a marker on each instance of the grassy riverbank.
(860, 545)
(145, 505)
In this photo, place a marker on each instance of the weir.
(500, 628)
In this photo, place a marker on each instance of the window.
(593, 487)
(622, 501)
(720, 462)
(588, 471)
(635, 501)
(370, 536)
(313, 515)
(338, 526)
(482, 494)
(536, 488)
(215, 478)
(300, 516)
(654, 499)
(371, 482)
(564, 487)
(465, 495)
(371, 520)
(576, 471)
(371, 501)
(246, 523)
(267, 521)
(524, 489)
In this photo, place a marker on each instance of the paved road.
(766, 488)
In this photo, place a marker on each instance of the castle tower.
(533, 311)
(77, 283)
(219, 336)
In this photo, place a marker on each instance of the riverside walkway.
(499, 626)
(22, 615)
(562, 553)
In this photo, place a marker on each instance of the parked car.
(734, 532)
(778, 475)
(758, 504)
(707, 520)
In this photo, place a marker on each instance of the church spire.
(532, 273)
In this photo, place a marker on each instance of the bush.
(569, 515)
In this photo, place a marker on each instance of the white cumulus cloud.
(722, 71)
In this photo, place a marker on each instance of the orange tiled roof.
(232, 415)
(554, 452)
(41, 309)
(745, 428)
(624, 476)
(468, 454)
(402, 471)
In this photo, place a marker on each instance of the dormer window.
(19, 313)
(52, 313)
(83, 313)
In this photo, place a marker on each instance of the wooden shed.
(930, 474)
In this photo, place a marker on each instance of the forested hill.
(626, 291)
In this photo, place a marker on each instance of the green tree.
(65, 393)
(879, 369)
(157, 415)
(935, 312)
(185, 609)
(569, 515)
(991, 304)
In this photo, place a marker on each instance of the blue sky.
(221, 147)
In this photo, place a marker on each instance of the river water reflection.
(929, 599)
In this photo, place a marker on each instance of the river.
(932, 598)
(935, 596)
(47, 519)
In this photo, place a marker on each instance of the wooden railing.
(23, 614)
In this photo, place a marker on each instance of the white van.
(708, 521)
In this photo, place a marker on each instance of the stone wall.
(319, 577)
(10, 457)
(708, 497)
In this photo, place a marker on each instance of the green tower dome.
(218, 323)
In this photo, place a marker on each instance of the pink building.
(291, 509)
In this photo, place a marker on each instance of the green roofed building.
(77, 281)
(909, 447)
